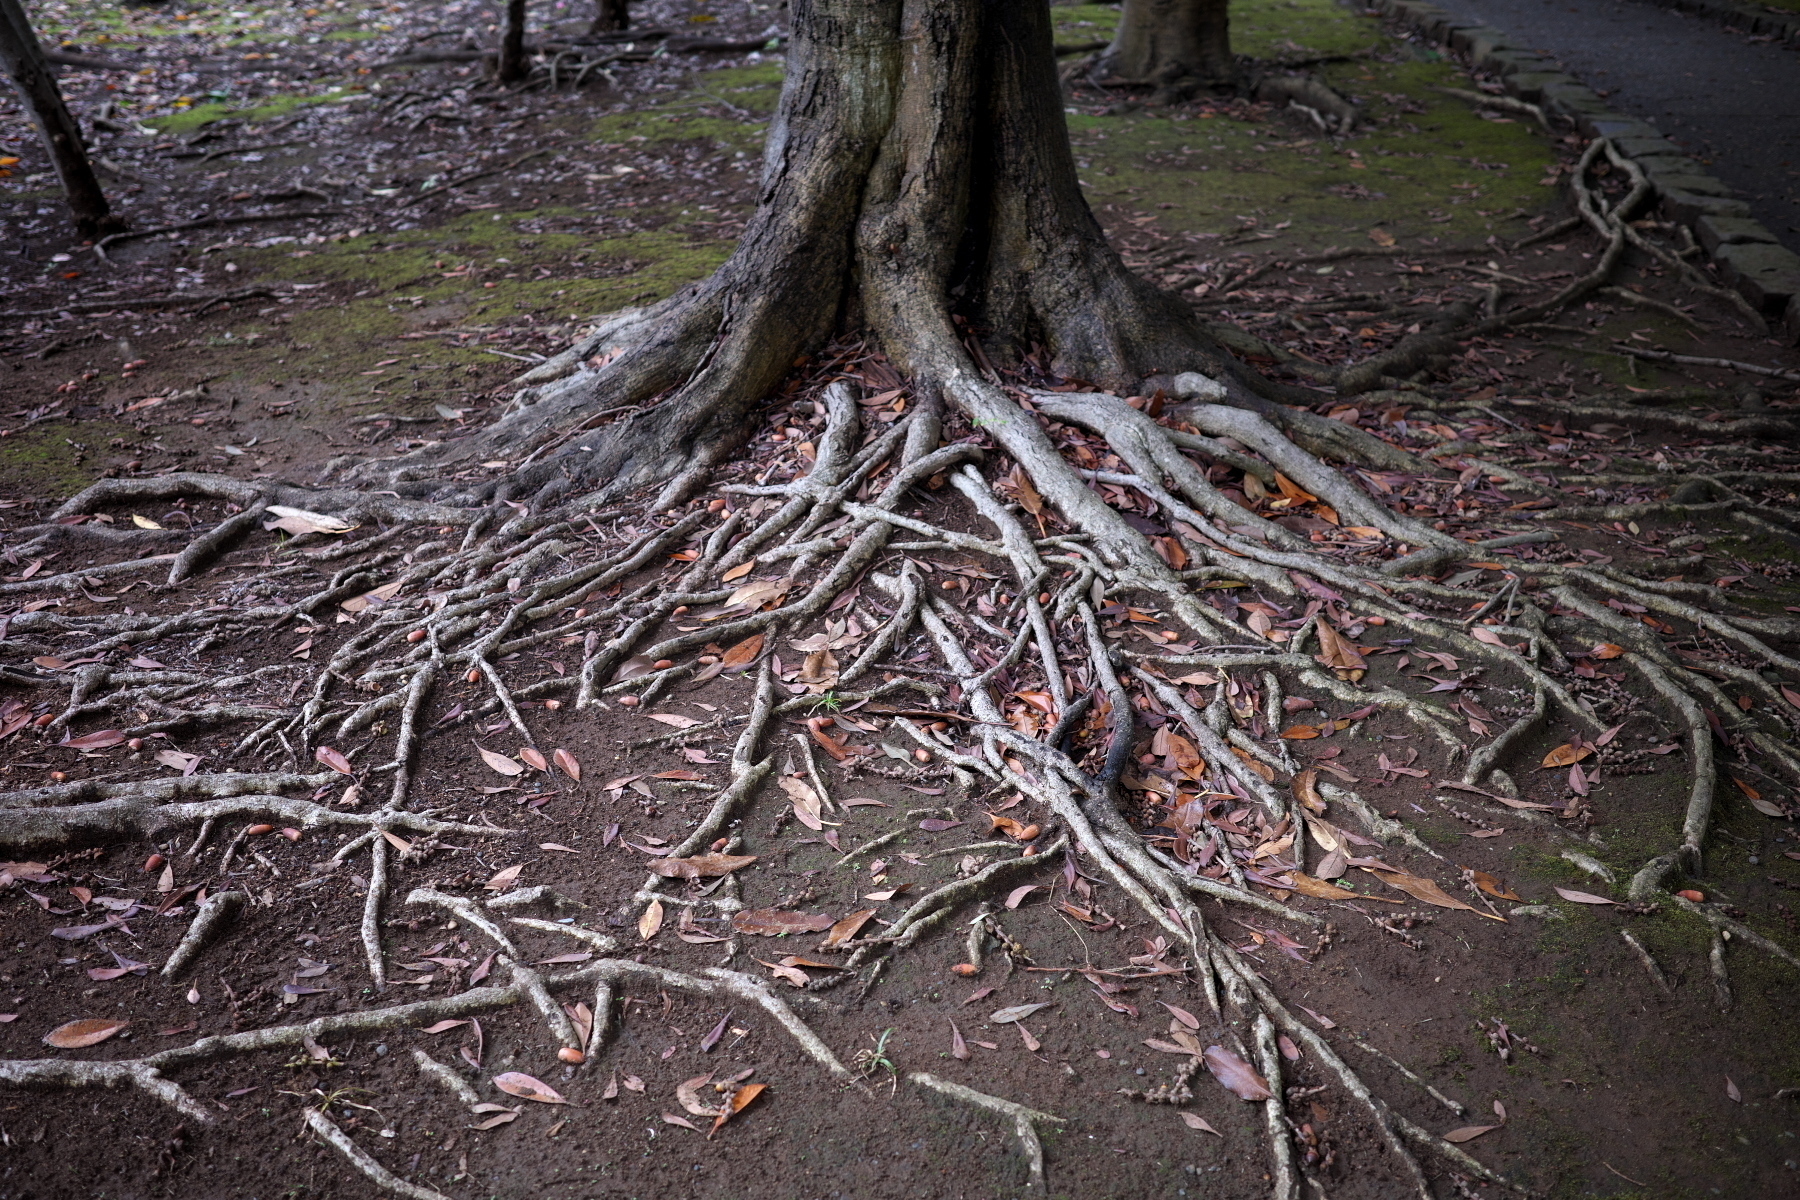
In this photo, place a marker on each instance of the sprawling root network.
(500, 580)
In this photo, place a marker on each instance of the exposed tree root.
(1025, 1120)
(1130, 558)
(209, 922)
(50, 1073)
(328, 1132)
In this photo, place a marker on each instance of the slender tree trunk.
(1177, 46)
(22, 57)
(511, 67)
(611, 16)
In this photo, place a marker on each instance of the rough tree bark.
(1177, 46)
(917, 169)
(22, 58)
(511, 67)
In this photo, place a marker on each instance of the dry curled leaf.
(1235, 1074)
(1306, 885)
(1017, 896)
(700, 866)
(1420, 888)
(1493, 887)
(959, 1049)
(1468, 1133)
(1181, 1014)
(77, 1034)
(1582, 897)
(742, 654)
(1196, 1121)
(846, 929)
(1337, 651)
(516, 1083)
(1017, 1012)
(740, 1100)
(687, 1094)
(651, 920)
(504, 879)
(534, 758)
(1306, 791)
(783, 971)
(102, 740)
(500, 763)
(568, 764)
(333, 760)
(1566, 755)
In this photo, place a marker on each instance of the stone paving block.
(1616, 127)
(1688, 207)
(1715, 231)
(1767, 274)
(1529, 85)
(1681, 175)
(1646, 146)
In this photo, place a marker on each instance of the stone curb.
(1749, 257)
(1745, 18)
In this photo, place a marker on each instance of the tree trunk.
(1177, 46)
(917, 173)
(22, 57)
(611, 16)
(511, 67)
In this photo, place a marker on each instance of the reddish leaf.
(937, 824)
(1235, 1074)
(1181, 1014)
(959, 1049)
(89, 1032)
(1017, 896)
(1566, 756)
(534, 758)
(568, 763)
(743, 653)
(846, 929)
(700, 866)
(334, 760)
(1469, 1133)
(1494, 887)
(102, 740)
(515, 1083)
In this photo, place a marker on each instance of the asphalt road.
(1732, 103)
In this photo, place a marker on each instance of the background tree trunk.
(511, 67)
(23, 59)
(610, 16)
(1179, 46)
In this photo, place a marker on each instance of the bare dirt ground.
(1467, 953)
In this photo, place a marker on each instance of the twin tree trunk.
(1178, 47)
(22, 59)
(611, 16)
(918, 183)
